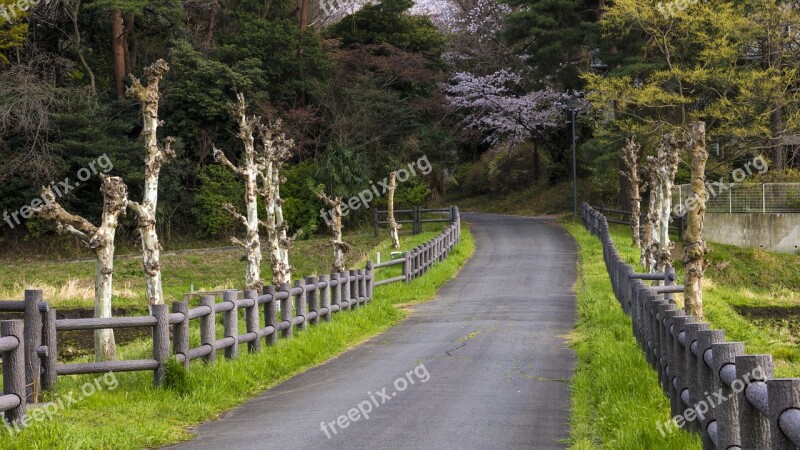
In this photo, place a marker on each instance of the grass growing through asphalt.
(616, 397)
(742, 277)
(135, 415)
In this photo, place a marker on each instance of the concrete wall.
(775, 232)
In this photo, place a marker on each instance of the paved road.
(487, 357)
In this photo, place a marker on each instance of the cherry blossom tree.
(493, 107)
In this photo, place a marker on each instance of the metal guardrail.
(745, 198)
(693, 361)
(309, 301)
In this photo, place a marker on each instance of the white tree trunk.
(394, 227)
(631, 155)
(275, 151)
(155, 158)
(668, 156)
(650, 248)
(249, 171)
(340, 247)
(101, 240)
(695, 247)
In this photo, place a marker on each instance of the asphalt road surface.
(488, 361)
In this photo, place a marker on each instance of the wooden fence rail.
(416, 217)
(752, 410)
(276, 311)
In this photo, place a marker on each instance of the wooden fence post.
(371, 281)
(160, 343)
(753, 425)
(354, 288)
(344, 280)
(312, 297)
(325, 296)
(300, 305)
(33, 339)
(362, 286)
(271, 315)
(49, 340)
(230, 324)
(208, 328)
(784, 396)
(336, 291)
(727, 413)
(406, 266)
(286, 311)
(252, 321)
(14, 369)
(695, 389)
(705, 377)
(180, 332)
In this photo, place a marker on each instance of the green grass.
(742, 277)
(135, 415)
(71, 285)
(616, 396)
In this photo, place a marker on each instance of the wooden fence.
(275, 311)
(415, 220)
(732, 399)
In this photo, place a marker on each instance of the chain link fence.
(745, 198)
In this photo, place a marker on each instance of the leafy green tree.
(389, 22)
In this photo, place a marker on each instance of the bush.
(504, 170)
(218, 185)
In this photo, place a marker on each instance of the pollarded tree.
(668, 159)
(275, 151)
(340, 247)
(631, 156)
(695, 247)
(248, 170)
(394, 227)
(155, 157)
(651, 228)
(101, 240)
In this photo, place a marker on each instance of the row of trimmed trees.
(656, 173)
(100, 238)
(266, 150)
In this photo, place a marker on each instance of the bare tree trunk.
(275, 151)
(101, 240)
(249, 172)
(118, 50)
(155, 158)
(652, 228)
(73, 10)
(394, 227)
(778, 157)
(631, 155)
(340, 248)
(695, 247)
(212, 23)
(668, 156)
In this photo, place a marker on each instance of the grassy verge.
(616, 397)
(743, 277)
(135, 415)
(71, 285)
